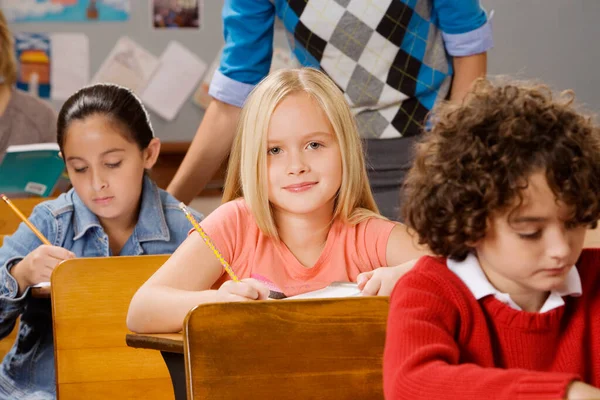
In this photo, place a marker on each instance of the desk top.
(169, 342)
(41, 292)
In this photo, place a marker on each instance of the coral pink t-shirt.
(349, 250)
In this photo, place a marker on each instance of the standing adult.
(392, 58)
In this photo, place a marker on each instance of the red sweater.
(444, 344)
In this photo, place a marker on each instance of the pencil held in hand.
(25, 220)
(208, 242)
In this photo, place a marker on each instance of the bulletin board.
(204, 42)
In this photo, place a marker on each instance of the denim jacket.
(28, 368)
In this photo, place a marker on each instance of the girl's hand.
(580, 390)
(244, 290)
(38, 265)
(381, 281)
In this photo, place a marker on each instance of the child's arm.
(423, 361)
(402, 253)
(38, 265)
(183, 282)
(24, 261)
(582, 391)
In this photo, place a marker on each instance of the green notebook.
(31, 169)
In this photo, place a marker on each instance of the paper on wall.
(52, 65)
(129, 65)
(70, 63)
(174, 80)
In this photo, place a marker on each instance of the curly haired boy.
(502, 191)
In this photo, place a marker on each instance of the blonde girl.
(297, 212)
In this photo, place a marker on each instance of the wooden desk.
(170, 346)
(169, 342)
(90, 299)
(41, 292)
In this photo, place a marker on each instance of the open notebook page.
(335, 289)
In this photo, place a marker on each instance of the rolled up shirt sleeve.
(9, 288)
(248, 27)
(13, 250)
(465, 26)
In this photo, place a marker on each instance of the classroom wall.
(205, 42)
(553, 40)
(557, 41)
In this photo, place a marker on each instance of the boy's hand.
(244, 290)
(38, 265)
(579, 391)
(381, 281)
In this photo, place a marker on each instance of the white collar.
(469, 271)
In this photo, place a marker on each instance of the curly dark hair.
(478, 156)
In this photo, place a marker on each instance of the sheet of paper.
(70, 63)
(42, 284)
(174, 80)
(129, 65)
(336, 289)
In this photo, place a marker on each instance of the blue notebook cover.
(32, 169)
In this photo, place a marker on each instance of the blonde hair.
(8, 64)
(247, 170)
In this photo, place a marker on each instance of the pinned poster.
(169, 14)
(65, 10)
(52, 66)
(34, 57)
(174, 80)
(128, 65)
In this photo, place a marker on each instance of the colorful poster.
(65, 10)
(34, 60)
(174, 14)
(52, 65)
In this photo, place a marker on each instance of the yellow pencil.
(208, 242)
(24, 219)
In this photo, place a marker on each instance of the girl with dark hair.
(114, 209)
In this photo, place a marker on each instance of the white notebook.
(334, 290)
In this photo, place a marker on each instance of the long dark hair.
(114, 102)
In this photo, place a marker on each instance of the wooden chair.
(7, 343)
(90, 299)
(9, 222)
(303, 349)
